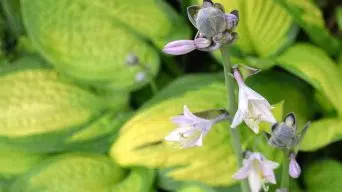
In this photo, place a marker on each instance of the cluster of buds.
(215, 28)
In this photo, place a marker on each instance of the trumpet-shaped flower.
(294, 168)
(253, 108)
(191, 130)
(258, 170)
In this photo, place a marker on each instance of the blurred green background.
(86, 93)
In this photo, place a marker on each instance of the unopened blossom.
(191, 129)
(253, 108)
(181, 47)
(215, 28)
(294, 168)
(258, 170)
(285, 134)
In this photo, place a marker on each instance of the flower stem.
(153, 86)
(232, 107)
(285, 180)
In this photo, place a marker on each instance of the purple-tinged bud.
(232, 21)
(294, 168)
(179, 47)
(201, 43)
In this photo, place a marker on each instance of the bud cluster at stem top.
(215, 28)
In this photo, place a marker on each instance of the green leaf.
(39, 109)
(195, 188)
(339, 17)
(264, 27)
(314, 66)
(324, 176)
(83, 173)
(322, 133)
(310, 18)
(98, 136)
(185, 84)
(15, 161)
(89, 42)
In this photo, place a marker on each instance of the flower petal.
(238, 118)
(242, 173)
(187, 113)
(199, 141)
(254, 180)
(270, 164)
(181, 119)
(269, 175)
(253, 124)
(175, 135)
(253, 94)
(263, 108)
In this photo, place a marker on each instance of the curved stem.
(232, 107)
(285, 180)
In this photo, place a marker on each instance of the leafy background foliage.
(78, 111)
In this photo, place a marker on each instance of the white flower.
(258, 169)
(253, 108)
(191, 130)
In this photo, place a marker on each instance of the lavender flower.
(294, 168)
(214, 26)
(253, 108)
(191, 129)
(258, 170)
(185, 46)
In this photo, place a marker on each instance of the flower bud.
(294, 168)
(232, 21)
(179, 47)
(210, 21)
(202, 43)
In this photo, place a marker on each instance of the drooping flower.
(294, 168)
(215, 28)
(258, 170)
(191, 129)
(253, 108)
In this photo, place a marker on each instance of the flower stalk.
(285, 179)
(232, 107)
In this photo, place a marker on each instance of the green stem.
(285, 179)
(153, 86)
(232, 107)
(152, 82)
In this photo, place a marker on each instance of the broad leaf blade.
(40, 109)
(314, 66)
(82, 51)
(15, 161)
(324, 176)
(82, 173)
(322, 133)
(310, 18)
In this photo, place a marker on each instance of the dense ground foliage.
(87, 94)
